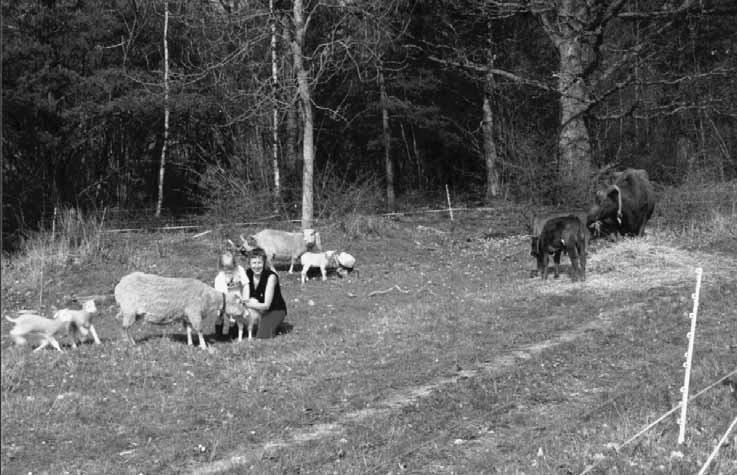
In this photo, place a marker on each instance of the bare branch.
(495, 71)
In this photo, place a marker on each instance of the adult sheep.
(164, 300)
(625, 206)
(283, 245)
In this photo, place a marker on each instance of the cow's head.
(607, 207)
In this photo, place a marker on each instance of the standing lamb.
(164, 300)
(284, 245)
(81, 322)
(323, 260)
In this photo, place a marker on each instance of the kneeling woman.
(263, 294)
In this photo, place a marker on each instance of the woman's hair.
(257, 252)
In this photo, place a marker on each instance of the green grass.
(477, 369)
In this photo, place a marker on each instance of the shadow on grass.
(210, 338)
(283, 329)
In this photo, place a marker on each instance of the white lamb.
(164, 300)
(81, 322)
(284, 245)
(323, 260)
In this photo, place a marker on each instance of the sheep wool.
(164, 300)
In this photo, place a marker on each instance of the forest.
(309, 107)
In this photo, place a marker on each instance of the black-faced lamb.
(164, 300)
(284, 245)
(563, 234)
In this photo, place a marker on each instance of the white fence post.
(689, 356)
(447, 196)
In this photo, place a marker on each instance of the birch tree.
(162, 164)
(301, 22)
(275, 108)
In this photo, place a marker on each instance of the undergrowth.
(73, 238)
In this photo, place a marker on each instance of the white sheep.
(282, 244)
(163, 300)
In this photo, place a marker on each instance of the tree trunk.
(388, 164)
(162, 166)
(292, 124)
(421, 178)
(573, 142)
(292, 132)
(303, 88)
(567, 29)
(275, 118)
(490, 155)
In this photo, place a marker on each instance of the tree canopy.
(570, 87)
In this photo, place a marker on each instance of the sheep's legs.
(94, 335)
(127, 321)
(324, 273)
(203, 345)
(47, 340)
(128, 337)
(254, 316)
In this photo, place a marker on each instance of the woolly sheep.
(283, 244)
(164, 300)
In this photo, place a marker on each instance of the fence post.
(447, 196)
(689, 357)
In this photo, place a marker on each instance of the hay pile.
(645, 263)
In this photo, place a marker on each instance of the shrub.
(700, 214)
(73, 238)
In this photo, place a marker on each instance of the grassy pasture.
(465, 366)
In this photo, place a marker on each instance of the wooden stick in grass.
(377, 292)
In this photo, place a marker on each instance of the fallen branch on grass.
(377, 292)
(201, 234)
